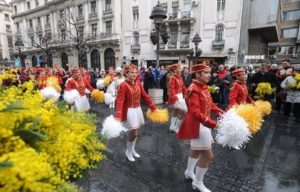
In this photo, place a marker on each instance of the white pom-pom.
(180, 104)
(100, 84)
(50, 93)
(70, 96)
(232, 130)
(112, 128)
(109, 98)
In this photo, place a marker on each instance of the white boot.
(198, 181)
(177, 125)
(189, 172)
(113, 105)
(173, 122)
(129, 151)
(134, 153)
(236, 147)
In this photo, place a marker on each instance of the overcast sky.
(8, 1)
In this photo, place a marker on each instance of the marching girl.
(197, 124)
(239, 92)
(176, 97)
(75, 91)
(128, 108)
(111, 91)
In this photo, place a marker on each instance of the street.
(270, 162)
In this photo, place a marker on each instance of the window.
(290, 33)
(107, 5)
(63, 35)
(173, 36)
(39, 22)
(164, 6)
(108, 27)
(136, 38)
(15, 9)
(219, 32)
(290, 1)
(80, 10)
(10, 41)
(47, 19)
(30, 24)
(17, 26)
(61, 14)
(220, 5)
(6, 17)
(94, 30)
(8, 29)
(286, 50)
(185, 36)
(81, 32)
(40, 39)
(291, 15)
(135, 12)
(93, 8)
(28, 5)
(187, 7)
(32, 40)
(37, 3)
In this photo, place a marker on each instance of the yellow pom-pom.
(297, 77)
(264, 107)
(107, 80)
(158, 116)
(98, 95)
(53, 82)
(213, 89)
(250, 113)
(263, 89)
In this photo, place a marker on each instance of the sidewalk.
(270, 162)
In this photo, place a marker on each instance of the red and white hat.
(174, 66)
(130, 67)
(237, 72)
(200, 67)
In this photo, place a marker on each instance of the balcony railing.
(93, 14)
(80, 17)
(218, 44)
(172, 46)
(107, 11)
(184, 44)
(135, 48)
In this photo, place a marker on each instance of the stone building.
(6, 34)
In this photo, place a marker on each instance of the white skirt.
(180, 103)
(82, 103)
(204, 141)
(135, 118)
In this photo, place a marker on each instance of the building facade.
(69, 32)
(6, 34)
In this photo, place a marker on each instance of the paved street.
(270, 162)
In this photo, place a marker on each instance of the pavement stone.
(270, 162)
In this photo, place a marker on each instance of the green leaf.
(30, 137)
(5, 164)
(13, 107)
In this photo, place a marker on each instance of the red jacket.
(239, 94)
(129, 96)
(175, 86)
(59, 74)
(42, 81)
(200, 105)
(79, 84)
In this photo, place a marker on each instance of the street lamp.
(196, 40)
(19, 44)
(158, 14)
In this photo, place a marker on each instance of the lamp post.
(158, 14)
(196, 40)
(19, 44)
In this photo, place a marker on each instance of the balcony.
(8, 31)
(108, 14)
(80, 20)
(39, 29)
(218, 44)
(184, 44)
(61, 24)
(135, 48)
(180, 16)
(93, 17)
(30, 31)
(47, 27)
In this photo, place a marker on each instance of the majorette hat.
(130, 67)
(75, 70)
(200, 67)
(237, 72)
(174, 66)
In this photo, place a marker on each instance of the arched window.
(219, 32)
(95, 59)
(109, 58)
(64, 61)
(34, 61)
